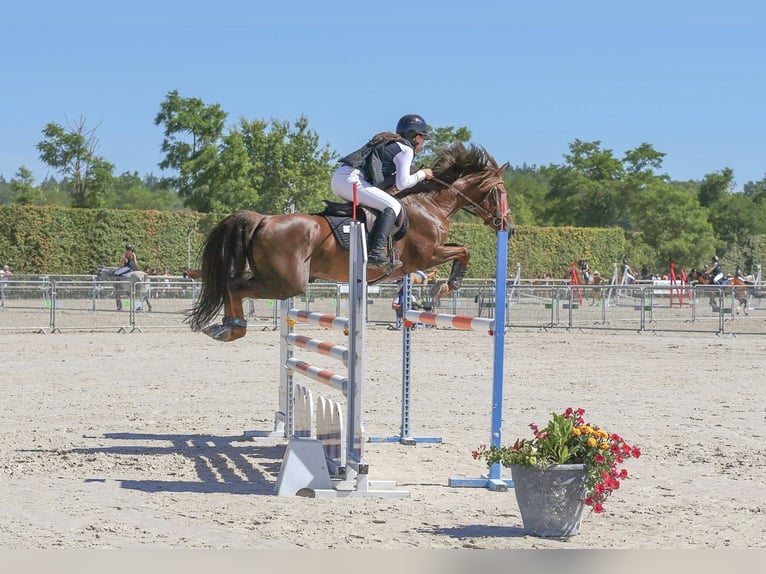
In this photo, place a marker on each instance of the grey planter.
(550, 500)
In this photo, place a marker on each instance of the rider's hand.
(429, 172)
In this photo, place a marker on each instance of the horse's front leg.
(460, 256)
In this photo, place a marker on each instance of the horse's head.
(476, 179)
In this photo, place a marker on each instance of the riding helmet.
(411, 125)
(129, 246)
(715, 258)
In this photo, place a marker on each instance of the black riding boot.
(378, 238)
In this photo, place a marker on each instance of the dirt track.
(124, 441)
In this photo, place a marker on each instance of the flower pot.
(550, 499)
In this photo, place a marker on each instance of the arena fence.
(53, 304)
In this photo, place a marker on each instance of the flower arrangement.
(568, 439)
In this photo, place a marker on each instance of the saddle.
(339, 215)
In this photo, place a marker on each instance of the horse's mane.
(455, 161)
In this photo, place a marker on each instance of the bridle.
(499, 197)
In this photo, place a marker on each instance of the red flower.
(599, 488)
(598, 509)
(636, 452)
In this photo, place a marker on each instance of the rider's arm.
(403, 161)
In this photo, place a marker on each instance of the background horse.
(596, 280)
(733, 285)
(123, 284)
(249, 254)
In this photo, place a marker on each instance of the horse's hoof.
(218, 332)
(224, 333)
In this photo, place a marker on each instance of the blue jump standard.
(493, 480)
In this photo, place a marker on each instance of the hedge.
(60, 240)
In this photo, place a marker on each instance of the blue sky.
(527, 78)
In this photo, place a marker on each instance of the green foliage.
(270, 167)
(539, 250)
(441, 137)
(72, 152)
(58, 240)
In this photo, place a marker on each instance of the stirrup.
(388, 265)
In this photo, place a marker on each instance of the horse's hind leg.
(234, 325)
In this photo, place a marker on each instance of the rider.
(627, 272)
(382, 162)
(585, 269)
(715, 271)
(128, 261)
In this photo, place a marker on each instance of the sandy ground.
(136, 441)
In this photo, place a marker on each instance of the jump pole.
(404, 437)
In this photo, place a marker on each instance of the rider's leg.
(368, 195)
(376, 256)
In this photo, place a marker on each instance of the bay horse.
(257, 256)
(734, 285)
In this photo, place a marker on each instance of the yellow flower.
(604, 446)
(576, 432)
(603, 434)
(586, 429)
(591, 442)
(532, 460)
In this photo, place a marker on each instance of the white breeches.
(367, 194)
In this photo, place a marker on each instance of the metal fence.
(71, 303)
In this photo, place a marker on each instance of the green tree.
(441, 137)
(527, 188)
(288, 166)
(192, 133)
(129, 191)
(675, 226)
(72, 152)
(272, 167)
(756, 190)
(585, 191)
(715, 186)
(24, 190)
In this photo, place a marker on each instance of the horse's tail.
(224, 256)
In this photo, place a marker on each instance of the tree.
(129, 191)
(272, 167)
(715, 186)
(527, 188)
(756, 190)
(585, 191)
(441, 137)
(24, 190)
(288, 166)
(192, 133)
(72, 153)
(675, 226)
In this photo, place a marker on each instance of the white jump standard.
(329, 463)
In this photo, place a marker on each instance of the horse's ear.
(502, 168)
